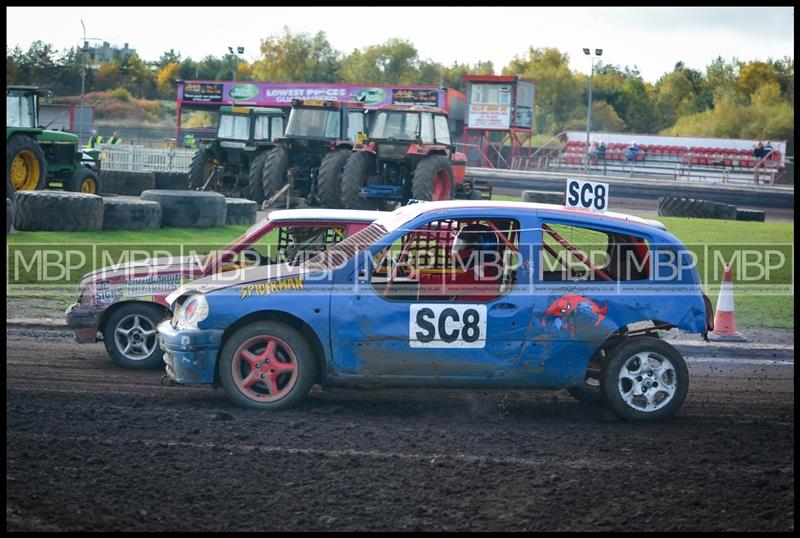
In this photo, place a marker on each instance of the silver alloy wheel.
(135, 337)
(647, 381)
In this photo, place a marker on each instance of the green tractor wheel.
(83, 180)
(26, 165)
(203, 165)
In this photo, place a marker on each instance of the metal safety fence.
(131, 158)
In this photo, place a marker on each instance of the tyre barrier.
(57, 211)
(130, 213)
(754, 215)
(9, 214)
(189, 209)
(543, 197)
(674, 206)
(241, 211)
(172, 181)
(130, 183)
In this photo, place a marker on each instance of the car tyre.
(267, 365)
(645, 379)
(130, 335)
(586, 393)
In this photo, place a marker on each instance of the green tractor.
(232, 163)
(37, 157)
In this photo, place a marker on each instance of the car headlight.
(190, 312)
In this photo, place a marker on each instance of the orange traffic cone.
(724, 322)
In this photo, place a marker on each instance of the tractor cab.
(324, 121)
(241, 126)
(22, 110)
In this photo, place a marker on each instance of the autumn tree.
(108, 76)
(297, 58)
(165, 80)
(557, 90)
(394, 62)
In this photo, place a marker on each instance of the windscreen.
(314, 123)
(234, 127)
(395, 125)
(19, 111)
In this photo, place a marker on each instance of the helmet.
(475, 237)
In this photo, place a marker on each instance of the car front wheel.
(266, 365)
(131, 338)
(645, 379)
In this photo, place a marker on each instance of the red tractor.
(409, 155)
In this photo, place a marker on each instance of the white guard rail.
(130, 158)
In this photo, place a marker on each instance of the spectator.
(189, 141)
(601, 151)
(767, 148)
(95, 139)
(758, 150)
(632, 152)
(601, 154)
(115, 138)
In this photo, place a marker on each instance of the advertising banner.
(281, 94)
(489, 116)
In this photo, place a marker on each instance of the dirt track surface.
(93, 447)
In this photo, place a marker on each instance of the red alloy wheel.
(264, 368)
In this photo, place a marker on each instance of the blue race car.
(466, 294)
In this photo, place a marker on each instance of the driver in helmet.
(307, 242)
(476, 256)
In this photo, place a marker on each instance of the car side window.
(291, 244)
(460, 259)
(577, 253)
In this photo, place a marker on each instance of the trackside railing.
(131, 158)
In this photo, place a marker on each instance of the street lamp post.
(84, 50)
(239, 50)
(597, 53)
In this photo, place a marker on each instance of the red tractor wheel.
(433, 179)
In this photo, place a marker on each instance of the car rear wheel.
(645, 379)
(267, 365)
(131, 338)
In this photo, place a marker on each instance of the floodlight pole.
(598, 52)
(83, 80)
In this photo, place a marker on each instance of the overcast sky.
(651, 38)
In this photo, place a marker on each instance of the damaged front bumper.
(84, 321)
(190, 355)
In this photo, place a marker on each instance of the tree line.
(732, 99)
